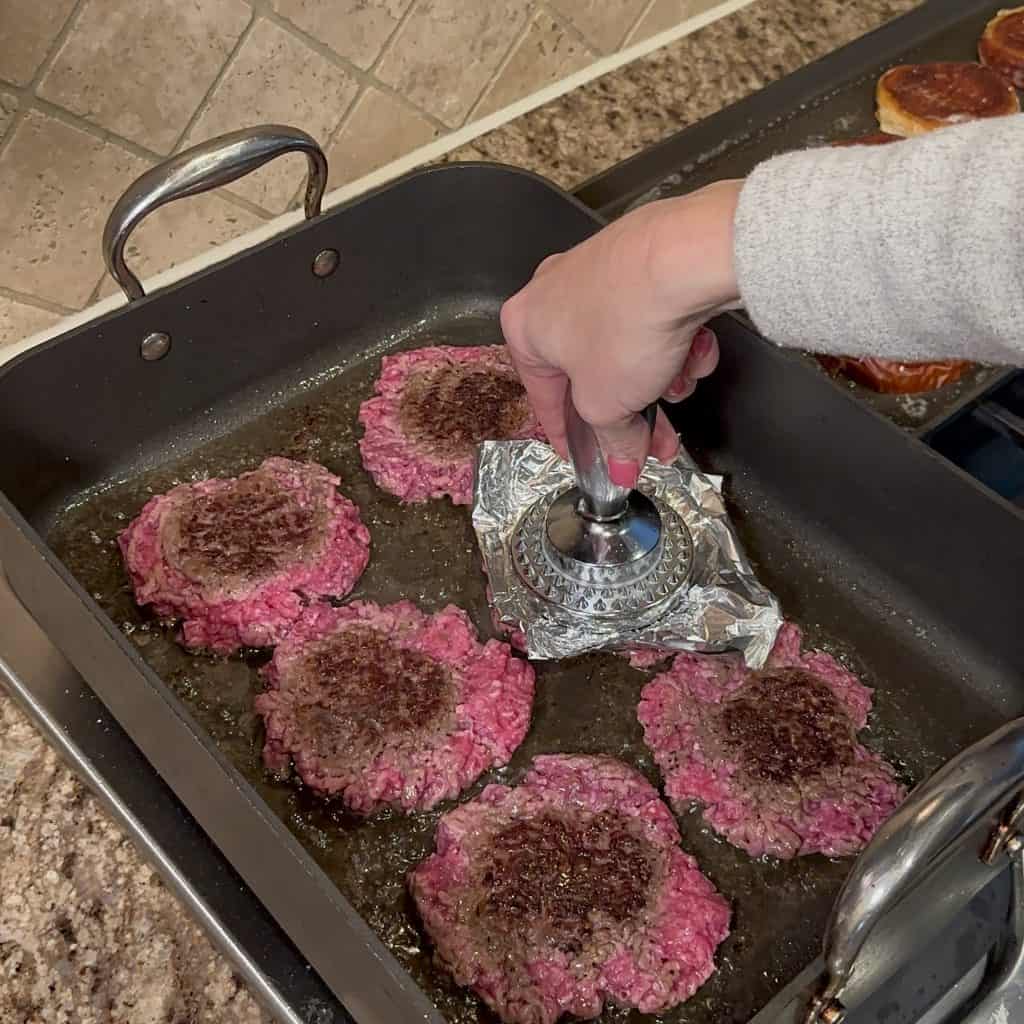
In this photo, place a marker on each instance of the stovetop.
(986, 439)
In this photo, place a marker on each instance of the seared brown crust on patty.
(892, 377)
(917, 98)
(1002, 46)
(874, 139)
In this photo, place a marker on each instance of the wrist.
(692, 251)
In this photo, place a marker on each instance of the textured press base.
(608, 592)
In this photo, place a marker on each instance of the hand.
(618, 320)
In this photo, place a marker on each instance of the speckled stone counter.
(88, 934)
(611, 118)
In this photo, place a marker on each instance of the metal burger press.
(577, 563)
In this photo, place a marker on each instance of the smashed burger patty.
(914, 99)
(569, 890)
(389, 706)
(432, 407)
(237, 559)
(1002, 45)
(772, 756)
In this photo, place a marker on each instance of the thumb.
(626, 443)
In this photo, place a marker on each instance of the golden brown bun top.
(1006, 30)
(949, 91)
(875, 139)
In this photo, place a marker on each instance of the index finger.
(546, 388)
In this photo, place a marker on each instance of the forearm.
(912, 251)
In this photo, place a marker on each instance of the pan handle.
(199, 169)
(976, 785)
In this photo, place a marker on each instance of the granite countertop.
(88, 933)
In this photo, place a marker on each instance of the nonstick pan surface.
(427, 553)
(826, 496)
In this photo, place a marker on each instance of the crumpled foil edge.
(725, 607)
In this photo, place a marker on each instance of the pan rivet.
(155, 346)
(326, 262)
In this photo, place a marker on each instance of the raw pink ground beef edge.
(657, 966)
(839, 823)
(494, 699)
(262, 616)
(392, 459)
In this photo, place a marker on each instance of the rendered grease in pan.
(427, 553)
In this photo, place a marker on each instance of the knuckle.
(511, 318)
(597, 411)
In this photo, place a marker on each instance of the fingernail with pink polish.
(679, 382)
(702, 342)
(623, 472)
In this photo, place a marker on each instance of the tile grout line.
(94, 295)
(36, 301)
(239, 202)
(449, 141)
(49, 59)
(361, 91)
(571, 27)
(423, 155)
(201, 106)
(66, 117)
(510, 53)
(645, 10)
(431, 151)
(322, 49)
(392, 36)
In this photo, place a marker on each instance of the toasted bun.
(896, 378)
(1002, 46)
(876, 139)
(918, 98)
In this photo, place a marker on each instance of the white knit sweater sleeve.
(913, 251)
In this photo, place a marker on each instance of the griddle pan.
(889, 557)
(830, 99)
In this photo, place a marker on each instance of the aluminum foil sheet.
(722, 608)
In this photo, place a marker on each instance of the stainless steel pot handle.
(972, 787)
(208, 165)
(602, 498)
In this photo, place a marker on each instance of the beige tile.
(275, 77)
(666, 14)
(585, 131)
(18, 320)
(181, 230)
(545, 54)
(8, 108)
(446, 52)
(141, 67)
(57, 185)
(355, 29)
(380, 129)
(28, 29)
(604, 23)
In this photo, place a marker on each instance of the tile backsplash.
(94, 92)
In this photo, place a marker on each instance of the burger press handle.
(206, 166)
(599, 523)
(602, 498)
(982, 783)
